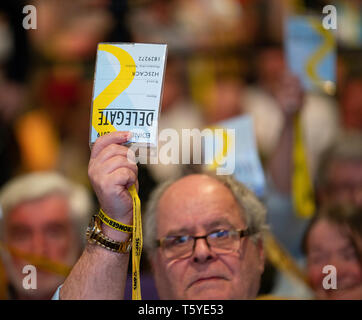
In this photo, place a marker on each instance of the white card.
(234, 151)
(127, 90)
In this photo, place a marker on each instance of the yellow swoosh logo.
(116, 87)
(222, 154)
(326, 47)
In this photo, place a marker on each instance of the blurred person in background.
(339, 178)
(178, 112)
(351, 104)
(154, 21)
(70, 31)
(223, 98)
(334, 237)
(14, 66)
(262, 101)
(65, 44)
(273, 101)
(45, 215)
(193, 25)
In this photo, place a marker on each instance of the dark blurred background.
(225, 58)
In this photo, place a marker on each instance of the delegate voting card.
(234, 150)
(127, 90)
(311, 52)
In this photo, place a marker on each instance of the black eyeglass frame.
(242, 233)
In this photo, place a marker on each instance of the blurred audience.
(263, 102)
(351, 104)
(194, 25)
(225, 59)
(14, 67)
(177, 112)
(70, 31)
(349, 16)
(44, 215)
(334, 237)
(223, 99)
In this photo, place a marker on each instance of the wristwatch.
(94, 235)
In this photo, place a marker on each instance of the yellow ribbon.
(39, 261)
(302, 189)
(281, 259)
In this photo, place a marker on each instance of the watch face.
(92, 226)
(97, 224)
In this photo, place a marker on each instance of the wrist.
(116, 229)
(114, 214)
(107, 238)
(114, 234)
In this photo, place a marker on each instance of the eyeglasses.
(220, 242)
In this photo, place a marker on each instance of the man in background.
(44, 215)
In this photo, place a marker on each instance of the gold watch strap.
(95, 235)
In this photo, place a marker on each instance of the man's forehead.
(193, 187)
(219, 222)
(47, 199)
(48, 206)
(194, 182)
(198, 200)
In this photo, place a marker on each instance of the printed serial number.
(148, 58)
(191, 309)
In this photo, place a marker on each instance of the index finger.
(118, 137)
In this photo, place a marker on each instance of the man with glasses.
(203, 234)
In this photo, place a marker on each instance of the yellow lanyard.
(303, 195)
(137, 243)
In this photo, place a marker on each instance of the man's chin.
(209, 290)
(209, 295)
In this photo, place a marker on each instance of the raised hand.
(112, 170)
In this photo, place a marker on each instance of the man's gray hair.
(252, 209)
(37, 185)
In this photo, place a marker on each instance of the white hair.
(34, 186)
(253, 210)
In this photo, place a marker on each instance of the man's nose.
(202, 252)
(39, 244)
